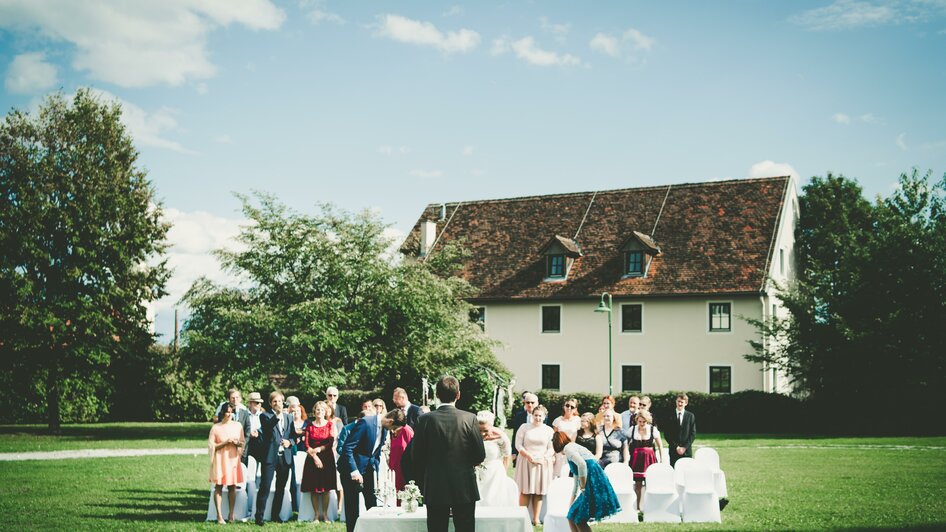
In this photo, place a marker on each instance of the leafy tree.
(79, 228)
(324, 304)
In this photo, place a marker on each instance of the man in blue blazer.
(275, 432)
(411, 412)
(358, 463)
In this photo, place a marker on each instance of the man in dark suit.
(447, 446)
(411, 412)
(251, 426)
(331, 399)
(276, 430)
(681, 430)
(358, 462)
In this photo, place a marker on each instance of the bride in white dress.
(492, 479)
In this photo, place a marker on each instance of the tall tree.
(324, 304)
(79, 234)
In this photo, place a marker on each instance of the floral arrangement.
(410, 494)
(480, 471)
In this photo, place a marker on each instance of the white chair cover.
(286, 511)
(239, 510)
(679, 473)
(622, 480)
(700, 504)
(710, 458)
(510, 494)
(660, 503)
(556, 505)
(306, 513)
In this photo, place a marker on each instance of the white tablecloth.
(488, 519)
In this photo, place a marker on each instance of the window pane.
(551, 319)
(556, 266)
(631, 378)
(550, 376)
(720, 379)
(719, 316)
(631, 318)
(635, 262)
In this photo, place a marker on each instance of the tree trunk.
(52, 400)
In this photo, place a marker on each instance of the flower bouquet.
(410, 497)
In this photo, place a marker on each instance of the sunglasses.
(571, 406)
(528, 402)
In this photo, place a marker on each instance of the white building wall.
(675, 348)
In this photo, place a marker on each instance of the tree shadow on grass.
(155, 505)
(116, 431)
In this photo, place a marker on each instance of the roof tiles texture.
(714, 238)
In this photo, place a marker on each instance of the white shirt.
(254, 420)
(377, 437)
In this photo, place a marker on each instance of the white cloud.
(29, 73)
(854, 14)
(192, 239)
(393, 150)
(453, 11)
(318, 16)
(560, 31)
(871, 119)
(631, 43)
(147, 128)
(138, 44)
(902, 141)
(527, 50)
(841, 118)
(202, 88)
(426, 173)
(467, 151)
(406, 30)
(773, 169)
(223, 139)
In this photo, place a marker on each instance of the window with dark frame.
(632, 317)
(551, 376)
(552, 319)
(720, 379)
(720, 317)
(478, 316)
(631, 378)
(556, 266)
(634, 263)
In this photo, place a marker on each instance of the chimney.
(428, 234)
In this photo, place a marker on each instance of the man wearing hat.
(251, 425)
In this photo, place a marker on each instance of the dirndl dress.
(598, 499)
(642, 453)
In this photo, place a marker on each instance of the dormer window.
(639, 251)
(560, 253)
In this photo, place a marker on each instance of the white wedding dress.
(492, 480)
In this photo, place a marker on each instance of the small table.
(488, 519)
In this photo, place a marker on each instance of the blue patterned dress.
(598, 499)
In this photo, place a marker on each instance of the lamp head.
(602, 307)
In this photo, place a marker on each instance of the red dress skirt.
(642, 452)
(314, 479)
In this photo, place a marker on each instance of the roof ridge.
(610, 191)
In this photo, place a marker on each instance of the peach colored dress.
(225, 467)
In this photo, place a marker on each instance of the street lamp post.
(606, 307)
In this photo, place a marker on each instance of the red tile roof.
(714, 238)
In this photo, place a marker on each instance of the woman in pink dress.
(318, 473)
(401, 435)
(226, 443)
(534, 465)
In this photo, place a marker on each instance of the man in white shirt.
(411, 412)
(627, 417)
(251, 428)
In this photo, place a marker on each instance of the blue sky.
(394, 105)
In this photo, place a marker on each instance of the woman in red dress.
(644, 441)
(318, 474)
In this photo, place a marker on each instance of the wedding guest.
(593, 496)
(645, 403)
(644, 442)
(276, 428)
(411, 412)
(534, 465)
(380, 407)
(681, 431)
(299, 425)
(331, 397)
(569, 423)
(318, 473)
(226, 445)
(607, 403)
(251, 428)
(627, 417)
(523, 416)
(614, 444)
(358, 463)
(342, 435)
(588, 435)
(401, 435)
(491, 474)
(236, 403)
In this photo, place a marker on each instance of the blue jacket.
(271, 437)
(358, 450)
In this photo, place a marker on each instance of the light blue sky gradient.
(359, 104)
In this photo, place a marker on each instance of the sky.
(390, 106)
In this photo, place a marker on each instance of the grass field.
(774, 483)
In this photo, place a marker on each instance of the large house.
(684, 266)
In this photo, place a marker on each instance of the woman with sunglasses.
(568, 423)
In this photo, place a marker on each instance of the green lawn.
(25, 438)
(774, 483)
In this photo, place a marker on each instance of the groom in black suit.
(447, 445)
(275, 433)
(681, 430)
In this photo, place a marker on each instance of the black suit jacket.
(413, 414)
(447, 445)
(681, 434)
(341, 413)
(271, 437)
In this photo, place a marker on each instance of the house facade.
(681, 266)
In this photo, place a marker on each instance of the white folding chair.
(239, 509)
(679, 473)
(556, 505)
(700, 504)
(622, 480)
(660, 502)
(512, 492)
(710, 458)
(285, 512)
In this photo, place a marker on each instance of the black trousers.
(464, 517)
(268, 469)
(352, 489)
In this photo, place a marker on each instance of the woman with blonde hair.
(644, 441)
(588, 436)
(569, 423)
(534, 465)
(614, 444)
(318, 473)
